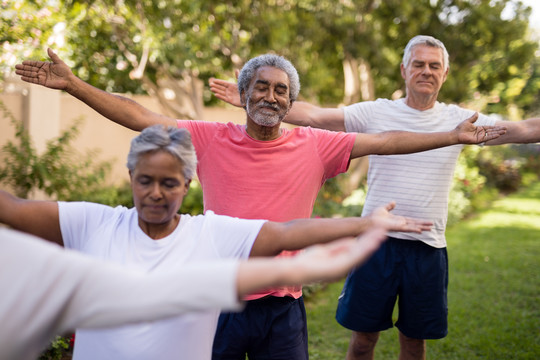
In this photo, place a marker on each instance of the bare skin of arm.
(121, 110)
(385, 143)
(38, 218)
(518, 132)
(326, 262)
(298, 234)
(403, 142)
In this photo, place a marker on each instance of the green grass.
(494, 291)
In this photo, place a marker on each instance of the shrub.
(60, 172)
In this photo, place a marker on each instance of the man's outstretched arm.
(404, 142)
(518, 132)
(57, 75)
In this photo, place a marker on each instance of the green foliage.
(59, 172)
(26, 28)
(60, 348)
(193, 201)
(466, 186)
(333, 202)
(148, 45)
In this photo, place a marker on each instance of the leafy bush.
(60, 348)
(481, 174)
(193, 201)
(466, 185)
(333, 202)
(501, 167)
(60, 172)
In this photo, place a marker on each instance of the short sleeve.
(356, 116)
(234, 237)
(79, 219)
(334, 150)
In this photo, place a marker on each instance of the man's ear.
(186, 187)
(243, 99)
(445, 75)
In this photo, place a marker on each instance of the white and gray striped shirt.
(420, 182)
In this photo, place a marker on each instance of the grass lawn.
(494, 291)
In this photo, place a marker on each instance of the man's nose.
(270, 96)
(426, 70)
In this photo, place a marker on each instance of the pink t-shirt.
(275, 180)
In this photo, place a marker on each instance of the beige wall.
(46, 112)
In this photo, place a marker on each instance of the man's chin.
(267, 123)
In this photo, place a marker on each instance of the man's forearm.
(118, 109)
(519, 132)
(406, 142)
(305, 114)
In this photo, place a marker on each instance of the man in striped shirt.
(420, 184)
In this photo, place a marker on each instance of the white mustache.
(267, 104)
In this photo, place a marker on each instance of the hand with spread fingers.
(54, 75)
(382, 217)
(225, 90)
(468, 133)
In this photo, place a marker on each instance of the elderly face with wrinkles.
(267, 99)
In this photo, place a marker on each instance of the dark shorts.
(268, 328)
(414, 273)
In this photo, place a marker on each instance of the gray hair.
(279, 62)
(428, 41)
(172, 140)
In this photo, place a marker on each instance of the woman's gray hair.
(428, 41)
(172, 140)
(248, 72)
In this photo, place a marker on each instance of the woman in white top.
(153, 238)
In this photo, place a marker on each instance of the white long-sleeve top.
(47, 290)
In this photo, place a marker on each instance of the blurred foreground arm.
(326, 262)
(49, 290)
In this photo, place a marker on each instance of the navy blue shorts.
(414, 273)
(268, 328)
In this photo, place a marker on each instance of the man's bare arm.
(518, 132)
(57, 75)
(403, 142)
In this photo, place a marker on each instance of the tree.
(345, 51)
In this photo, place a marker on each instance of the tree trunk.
(358, 85)
(179, 98)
